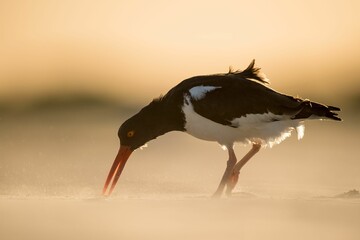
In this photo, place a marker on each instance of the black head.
(157, 118)
(136, 132)
(154, 120)
(143, 126)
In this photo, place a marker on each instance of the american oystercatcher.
(233, 107)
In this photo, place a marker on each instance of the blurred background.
(72, 71)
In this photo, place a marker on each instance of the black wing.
(235, 98)
(244, 92)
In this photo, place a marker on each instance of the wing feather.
(235, 99)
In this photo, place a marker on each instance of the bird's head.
(132, 135)
(138, 130)
(135, 132)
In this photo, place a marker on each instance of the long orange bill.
(116, 169)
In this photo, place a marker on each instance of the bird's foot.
(218, 192)
(216, 195)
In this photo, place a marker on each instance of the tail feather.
(317, 110)
(331, 108)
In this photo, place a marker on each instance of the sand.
(182, 218)
(53, 167)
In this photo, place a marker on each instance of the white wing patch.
(199, 92)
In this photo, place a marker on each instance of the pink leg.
(228, 172)
(234, 177)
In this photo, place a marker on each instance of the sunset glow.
(142, 48)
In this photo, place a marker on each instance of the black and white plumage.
(226, 108)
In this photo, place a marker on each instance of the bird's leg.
(228, 172)
(234, 177)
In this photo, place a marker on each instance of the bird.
(228, 108)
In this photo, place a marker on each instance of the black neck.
(162, 116)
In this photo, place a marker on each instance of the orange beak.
(116, 169)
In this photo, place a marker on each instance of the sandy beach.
(182, 218)
(51, 184)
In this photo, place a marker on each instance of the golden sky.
(136, 50)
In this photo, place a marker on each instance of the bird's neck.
(163, 117)
(174, 119)
(171, 118)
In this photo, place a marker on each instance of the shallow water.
(53, 167)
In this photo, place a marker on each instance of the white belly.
(252, 128)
